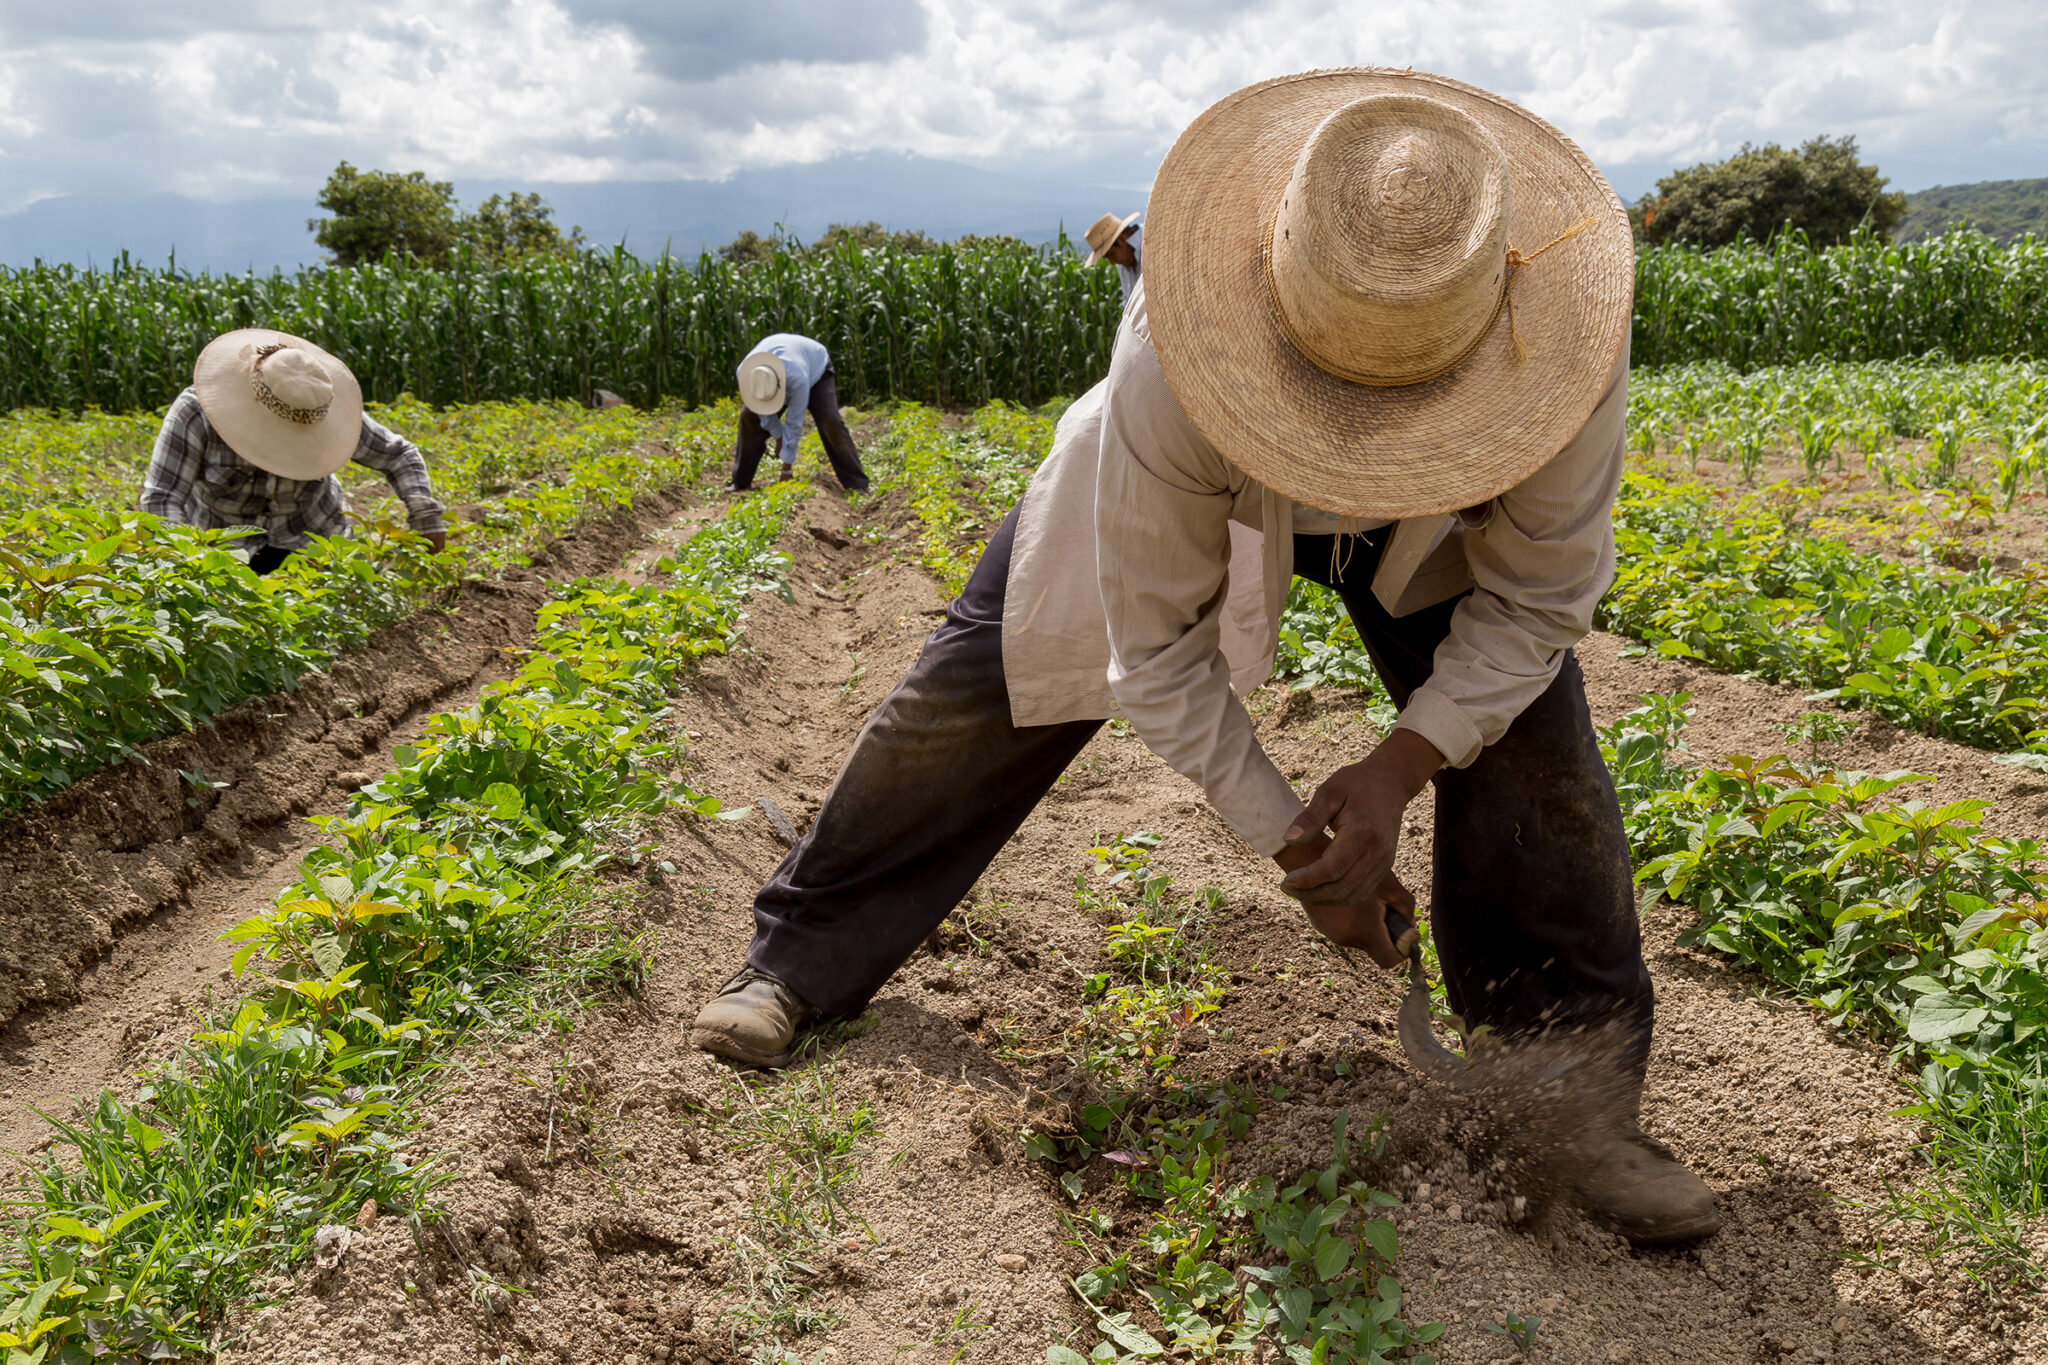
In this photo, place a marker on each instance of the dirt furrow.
(620, 1182)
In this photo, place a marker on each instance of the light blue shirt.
(804, 363)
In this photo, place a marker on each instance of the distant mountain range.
(2004, 209)
(939, 197)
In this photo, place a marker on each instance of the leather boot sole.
(1670, 1234)
(737, 1050)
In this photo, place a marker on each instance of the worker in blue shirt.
(784, 376)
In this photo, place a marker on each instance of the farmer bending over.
(256, 439)
(784, 376)
(1389, 355)
(1118, 241)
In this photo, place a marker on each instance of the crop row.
(117, 628)
(475, 452)
(1904, 921)
(961, 323)
(1959, 294)
(1227, 1266)
(1823, 411)
(1961, 655)
(960, 481)
(455, 897)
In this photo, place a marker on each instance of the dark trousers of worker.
(824, 409)
(1531, 900)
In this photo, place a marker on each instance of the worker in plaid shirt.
(255, 442)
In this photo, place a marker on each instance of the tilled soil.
(593, 1181)
(113, 894)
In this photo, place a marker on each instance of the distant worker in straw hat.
(1391, 359)
(1120, 242)
(256, 441)
(781, 379)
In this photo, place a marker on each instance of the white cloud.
(192, 97)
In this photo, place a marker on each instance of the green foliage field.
(958, 323)
(117, 628)
(455, 896)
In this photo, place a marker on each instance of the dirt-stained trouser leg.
(748, 448)
(937, 782)
(1532, 900)
(832, 432)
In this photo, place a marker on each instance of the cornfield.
(962, 324)
(1960, 294)
(956, 325)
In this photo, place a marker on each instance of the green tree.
(1822, 189)
(510, 227)
(872, 236)
(379, 211)
(991, 241)
(750, 246)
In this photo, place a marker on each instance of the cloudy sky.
(231, 102)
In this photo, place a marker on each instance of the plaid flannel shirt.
(195, 477)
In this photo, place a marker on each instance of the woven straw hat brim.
(1095, 254)
(1353, 449)
(770, 361)
(290, 450)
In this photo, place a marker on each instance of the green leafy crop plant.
(959, 482)
(117, 628)
(453, 898)
(1959, 413)
(1227, 1267)
(1959, 655)
(1903, 921)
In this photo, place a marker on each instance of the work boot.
(753, 1019)
(1634, 1182)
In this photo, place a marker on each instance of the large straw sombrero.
(280, 402)
(1383, 293)
(764, 384)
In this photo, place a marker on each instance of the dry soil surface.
(594, 1177)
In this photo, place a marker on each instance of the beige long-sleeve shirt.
(1148, 574)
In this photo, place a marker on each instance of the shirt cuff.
(1260, 810)
(1443, 723)
(427, 519)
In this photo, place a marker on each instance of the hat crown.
(1389, 248)
(297, 380)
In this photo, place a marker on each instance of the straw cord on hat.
(1515, 261)
(305, 417)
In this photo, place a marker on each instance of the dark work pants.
(824, 409)
(1531, 899)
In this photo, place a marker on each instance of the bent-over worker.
(256, 440)
(1120, 242)
(1392, 360)
(783, 377)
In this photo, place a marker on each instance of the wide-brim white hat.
(1102, 234)
(280, 402)
(1384, 293)
(764, 385)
